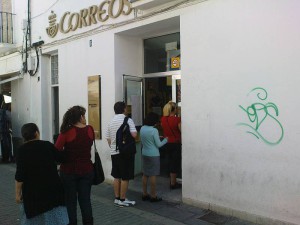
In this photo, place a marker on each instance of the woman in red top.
(171, 125)
(76, 138)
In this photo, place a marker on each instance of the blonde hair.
(168, 108)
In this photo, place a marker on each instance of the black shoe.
(156, 199)
(146, 197)
(175, 186)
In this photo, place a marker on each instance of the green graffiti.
(258, 112)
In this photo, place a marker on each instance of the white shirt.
(112, 129)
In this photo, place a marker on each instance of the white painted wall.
(229, 48)
(77, 61)
(26, 103)
(128, 60)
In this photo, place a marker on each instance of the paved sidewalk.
(106, 213)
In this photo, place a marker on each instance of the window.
(162, 54)
(54, 69)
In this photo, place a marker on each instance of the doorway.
(159, 91)
(145, 95)
(150, 94)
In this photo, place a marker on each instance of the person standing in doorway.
(171, 125)
(122, 165)
(151, 156)
(5, 132)
(76, 138)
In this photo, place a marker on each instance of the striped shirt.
(112, 128)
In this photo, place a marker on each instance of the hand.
(167, 139)
(19, 199)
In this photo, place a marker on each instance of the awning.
(10, 77)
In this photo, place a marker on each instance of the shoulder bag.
(98, 170)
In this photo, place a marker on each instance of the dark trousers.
(6, 150)
(78, 185)
(174, 155)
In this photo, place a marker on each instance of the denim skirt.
(56, 216)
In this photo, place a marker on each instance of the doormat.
(215, 218)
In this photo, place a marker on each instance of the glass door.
(133, 97)
(176, 91)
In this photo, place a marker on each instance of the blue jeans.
(78, 185)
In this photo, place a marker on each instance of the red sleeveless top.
(170, 128)
(77, 143)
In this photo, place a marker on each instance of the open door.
(133, 97)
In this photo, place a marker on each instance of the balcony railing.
(6, 27)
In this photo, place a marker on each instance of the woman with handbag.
(76, 138)
(171, 125)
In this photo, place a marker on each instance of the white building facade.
(232, 67)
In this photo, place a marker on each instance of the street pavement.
(166, 212)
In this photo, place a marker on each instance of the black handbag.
(98, 170)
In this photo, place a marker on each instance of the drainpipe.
(27, 37)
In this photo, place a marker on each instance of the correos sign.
(88, 16)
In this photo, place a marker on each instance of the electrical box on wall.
(30, 63)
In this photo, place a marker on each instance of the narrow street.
(105, 212)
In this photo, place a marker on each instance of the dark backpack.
(125, 143)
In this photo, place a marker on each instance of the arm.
(133, 134)
(157, 141)
(20, 174)
(60, 142)
(133, 130)
(19, 185)
(109, 142)
(107, 135)
(59, 156)
(179, 126)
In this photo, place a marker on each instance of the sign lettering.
(88, 16)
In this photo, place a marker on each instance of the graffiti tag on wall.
(262, 115)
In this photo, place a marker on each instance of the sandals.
(156, 199)
(149, 198)
(175, 186)
(146, 197)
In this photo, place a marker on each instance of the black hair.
(29, 130)
(119, 107)
(151, 119)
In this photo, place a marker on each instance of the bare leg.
(124, 187)
(153, 186)
(117, 187)
(145, 182)
(173, 178)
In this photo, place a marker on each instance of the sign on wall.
(94, 101)
(108, 9)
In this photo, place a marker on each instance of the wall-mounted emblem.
(53, 26)
(175, 62)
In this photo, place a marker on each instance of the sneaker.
(127, 201)
(116, 201)
(122, 204)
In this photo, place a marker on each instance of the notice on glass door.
(136, 110)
